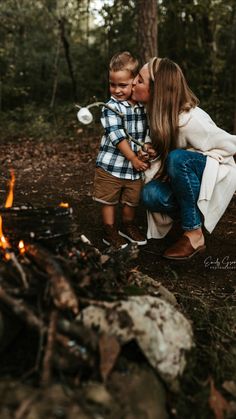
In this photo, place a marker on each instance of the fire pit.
(28, 222)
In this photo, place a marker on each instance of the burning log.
(30, 223)
(10, 256)
(76, 272)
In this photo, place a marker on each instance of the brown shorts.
(110, 190)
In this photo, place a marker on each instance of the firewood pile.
(82, 303)
(49, 279)
(69, 310)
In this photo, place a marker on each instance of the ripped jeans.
(178, 196)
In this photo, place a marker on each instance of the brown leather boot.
(182, 250)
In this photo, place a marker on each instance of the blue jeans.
(178, 196)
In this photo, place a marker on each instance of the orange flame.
(21, 247)
(3, 241)
(64, 205)
(10, 196)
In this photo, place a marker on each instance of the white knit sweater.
(197, 132)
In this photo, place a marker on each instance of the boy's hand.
(138, 164)
(143, 156)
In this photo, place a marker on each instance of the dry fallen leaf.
(109, 348)
(217, 402)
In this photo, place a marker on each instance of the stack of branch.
(79, 303)
(46, 290)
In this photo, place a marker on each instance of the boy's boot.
(112, 237)
(132, 233)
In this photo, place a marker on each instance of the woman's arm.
(201, 133)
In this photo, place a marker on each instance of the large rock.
(163, 334)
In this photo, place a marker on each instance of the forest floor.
(49, 172)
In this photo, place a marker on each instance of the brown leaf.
(109, 348)
(217, 402)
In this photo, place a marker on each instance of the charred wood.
(47, 361)
(62, 292)
(27, 223)
(20, 309)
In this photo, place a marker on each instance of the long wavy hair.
(169, 96)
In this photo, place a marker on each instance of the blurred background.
(54, 53)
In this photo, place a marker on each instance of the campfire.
(41, 252)
(76, 306)
(46, 263)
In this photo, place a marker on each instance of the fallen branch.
(47, 361)
(63, 294)
(21, 310)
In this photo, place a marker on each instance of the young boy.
(118, 169)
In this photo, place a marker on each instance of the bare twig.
(21, 310)
(47, 361)
(24, 407)
(87, 241)
(18, 266)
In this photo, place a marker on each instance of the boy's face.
(120, 84)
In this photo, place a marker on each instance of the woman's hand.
(148, 148)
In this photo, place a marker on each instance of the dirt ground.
(50, 172)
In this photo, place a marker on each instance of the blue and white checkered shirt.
(135, 122)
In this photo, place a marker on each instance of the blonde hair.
(169, 96)
(124, 61)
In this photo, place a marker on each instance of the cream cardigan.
(197, 132)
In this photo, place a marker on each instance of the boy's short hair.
(124, 61)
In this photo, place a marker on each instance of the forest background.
(54, 53)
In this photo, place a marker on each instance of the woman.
(195, 175)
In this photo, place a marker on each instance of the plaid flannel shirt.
(135, 122)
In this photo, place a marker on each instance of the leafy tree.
(51, 51)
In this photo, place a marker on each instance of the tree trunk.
(0, 95)
(66, 46)
(88, 22)
(147, 29)
(56, 70)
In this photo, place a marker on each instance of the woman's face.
(141, 89)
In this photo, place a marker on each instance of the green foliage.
(37, 122)
(199, 34)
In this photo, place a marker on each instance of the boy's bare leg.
(108, 214)
(128, 214)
